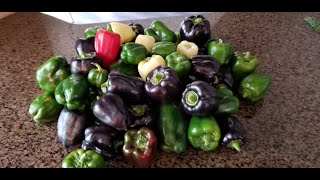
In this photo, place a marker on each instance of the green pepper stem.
(104, 86)
(100, 69)
(191, 98)
(138, 110)
(198, 20)
(157, 78)
(216, 80)
(245, 94)
(247, 55)
(235, 144)
(109, 28)
(179, 59)
(207, 139)
(139, 141)
(84, 55)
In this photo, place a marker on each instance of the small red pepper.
(140, 147)
(107, 46)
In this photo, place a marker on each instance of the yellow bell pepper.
(148, 64)
(125, 31)
(187, 48)
(146, 40)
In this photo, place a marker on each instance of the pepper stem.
(84, 55)
(191, 98)
(207, 139)
(109, 28)
(198, 20)
(247, 55)
(105, 86)
(235, 144)
(139, 141)
(138, 110)
(220, 41)
(157, 78)
(100, 69)
(245, 94)
(179, 59)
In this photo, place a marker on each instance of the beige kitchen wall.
(4, 14)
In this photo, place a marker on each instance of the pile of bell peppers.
(134, 91)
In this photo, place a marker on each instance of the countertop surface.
(283, 129)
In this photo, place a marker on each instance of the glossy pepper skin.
(163, 49)
(222, 52)
(204, 133)
(111, 110)
(200, 98)
(160, 32)
(103, 139)
(131, 89)
(254, 86)
(225, 76)
(172, 127)
(179, 63)
(140, 147)
(83, 159)
(195, 29)
(141, 115)
(71, 126)
(163, 84)
(128, 69)
(52, 72)
(73, 92)
(97, 77)
(133, 53)
(137, 28)
(107, 46)
(233, 133)
(205, 68)
(91, 31)
(85, 46)
(243, 64)
(84, 65)
(44, 108)
(148, 64)
(228, 103)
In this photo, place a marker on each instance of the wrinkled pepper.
(205, 68)
(163, 49)
(222, 52)
(83, 159)
(140, 147)
(107, 46)
(162, 84)
(125, 31)
(103, 139)
(71, 126)
(243, 64)
(195, 29)
(188, 48)
(199, 98)
(160, 32)
(179, 63)
(97, 77)
(228, 103)
(172, 126)
(233, 133)
(133, 53)
(130, 89)
(73, 92)
(254, 86)
(44, 108)
(204, 133)
(111, 110)
(84, 65)
(52, 72)
(148, 64)
(128, 69)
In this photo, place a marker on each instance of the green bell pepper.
(254, 86)
(163, 49)
(204, 133)
(178, 40)
(97, 77)
(228, 103)
(172, 127)
(222, 52)
(52, 72)
(83, 159)
(160, 32)
(179, 63)
(44, 108)
(128, 69)
(73, 92)
(91, 31)
(133, 53)
(243, 64)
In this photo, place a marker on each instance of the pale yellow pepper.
(187, 48)
(125, 31)
(146, 40)
(149, 64)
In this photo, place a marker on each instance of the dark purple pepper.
(83, 66)
(204, 68)
(85, 46)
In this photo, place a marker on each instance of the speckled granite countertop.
(283, 129)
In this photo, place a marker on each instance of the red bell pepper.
(107, 46)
